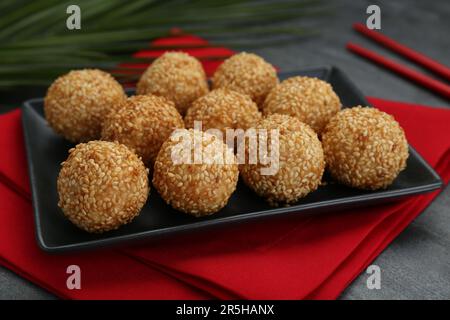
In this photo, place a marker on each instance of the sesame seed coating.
(246, 73)
(143, 123)
(222, 109)
(176, 76)
(301, 162)
(364, 148)
(77, 103)
(311, 100)
(102, 185)
(197, 189)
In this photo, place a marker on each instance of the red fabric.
(312, 257)
(200, 49)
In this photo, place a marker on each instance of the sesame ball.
(143, 123)
(246, 73)
(300, 161)
(177, 76)
(311, 100)
(77, 102)
(222, 109)
(364, 148)
(101, 186)
(195, 180)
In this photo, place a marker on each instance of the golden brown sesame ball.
(198, 185)
(300, 161)
(177, 76)
(364, 148)
(77, 103)
(143, 123)
(311, 100)
(246, 73)
(222, 109)
(102, 185)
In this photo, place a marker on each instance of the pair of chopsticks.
(437, 86)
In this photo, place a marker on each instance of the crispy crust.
(246, 73)
(77, 103)
(311, 100)
(176, 76)
(301, 162)
(196, 189)
(102, 185)
(364, 148)
(143, 123)
(222, 109)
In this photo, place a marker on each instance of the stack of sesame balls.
(104, 182)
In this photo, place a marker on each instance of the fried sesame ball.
(177, 76)
(311, 100)
(143, 123)
(102, 185)
(77, 103)
(246, 73)
(364, 148)
(300, 161)
(199, 185)
(222, 109)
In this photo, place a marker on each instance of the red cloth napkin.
(312, 257)
(295, 257)
(211, 57)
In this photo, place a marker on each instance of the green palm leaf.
(36, 47)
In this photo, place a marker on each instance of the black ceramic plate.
(46, 150)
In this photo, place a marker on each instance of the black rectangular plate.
(46, 150)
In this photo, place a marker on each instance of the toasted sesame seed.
(143, 123)
(364, 148)
(311, 100)
(301, 162)
(222, 109)
(119, 197)
(77, 103)
(197, 189)
(176, 76)
(246, 73)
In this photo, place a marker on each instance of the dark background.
(417, 264)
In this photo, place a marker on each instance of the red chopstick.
(411, 74)
(409, 53)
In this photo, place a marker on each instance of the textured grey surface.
(13, 287)
(417, 264)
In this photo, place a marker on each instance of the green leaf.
(36, 47)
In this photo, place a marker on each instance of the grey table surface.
(417, 264)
